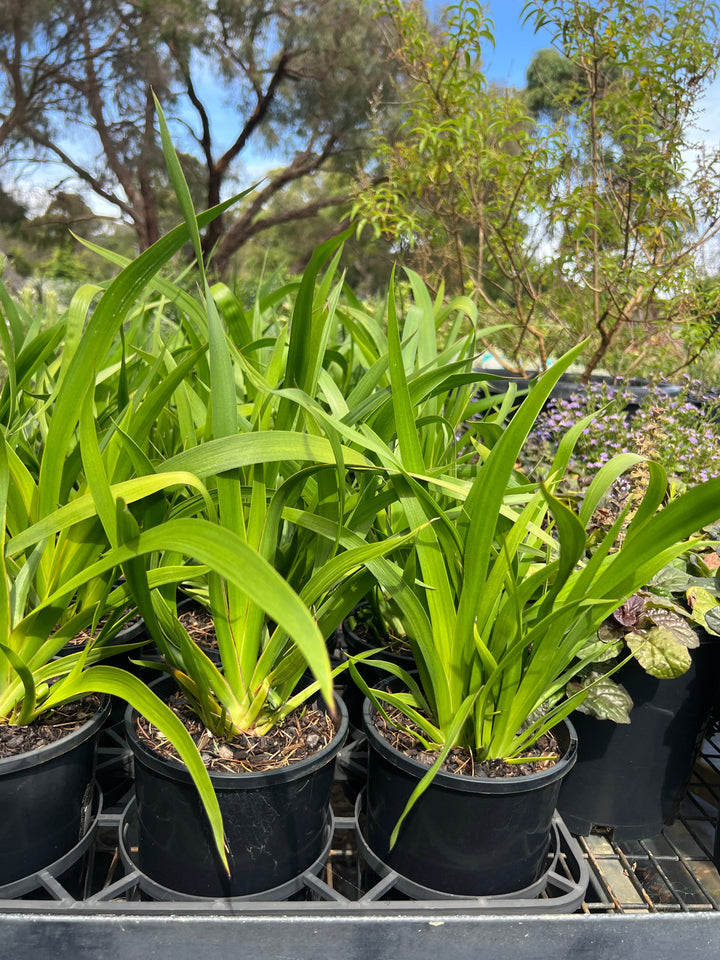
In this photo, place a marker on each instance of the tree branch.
(97, 112)
(97, 187)
(256, 117)
(299, 213)
(205, 139)
(245, 227)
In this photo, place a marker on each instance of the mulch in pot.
(199, 624)
(301, 734)
(80, 639)
(460, 760)
(51, 726)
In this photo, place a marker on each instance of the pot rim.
(127, 634)
(66, 743)
(222, 780)
(405, 660)
(474, 784)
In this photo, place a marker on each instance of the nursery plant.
(57, 575)
(658, 626)
(632, 777)
(250, 465)
(58, 569)
(676, 424)
(68, 516)
(505, 599)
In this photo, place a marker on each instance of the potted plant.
(212, 548)
(56, 579)
(254, 468)
(62, 549)
(499, 614)
(641, 730)
(269, 748)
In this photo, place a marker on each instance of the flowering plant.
(679, 426)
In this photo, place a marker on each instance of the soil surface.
(82, 638)
(301, 734)
(48, 728)
(199, 624)
(398, 646)
(460, 759)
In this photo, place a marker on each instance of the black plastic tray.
(669, 907)
(355, 880)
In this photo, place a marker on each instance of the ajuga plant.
(658, 625)
(678, 421)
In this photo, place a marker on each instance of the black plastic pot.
(632, 777)
(45, 799)
(352, 695)
(132, 632)
(275, 822)
(468, 836)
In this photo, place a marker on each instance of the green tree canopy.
(296, 79)
(465, 188)
(575, 208)
(639, 198)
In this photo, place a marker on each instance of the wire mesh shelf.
(671, 872)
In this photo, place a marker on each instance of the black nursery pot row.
(488, 837)
(465, 837)
(275, 822)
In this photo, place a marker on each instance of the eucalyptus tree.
(293, 82)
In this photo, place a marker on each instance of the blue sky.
(514, 43)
